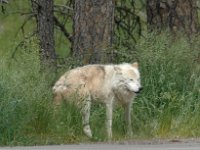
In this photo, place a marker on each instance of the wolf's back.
(90, 79)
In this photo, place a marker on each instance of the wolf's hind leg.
(86, 116)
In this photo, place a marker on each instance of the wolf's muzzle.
(140, 89)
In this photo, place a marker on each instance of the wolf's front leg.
(109, 109)
(128, 109)
(86, 117)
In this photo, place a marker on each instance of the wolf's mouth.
(128, 88)
(139, 91)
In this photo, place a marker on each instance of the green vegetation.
(168, 107)
(171, 79)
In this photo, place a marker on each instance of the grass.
(170, 74)
(168, 107)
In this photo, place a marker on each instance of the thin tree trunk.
(93, 29)
(43, 10)
(173, 14)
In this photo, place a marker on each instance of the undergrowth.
(168, 107)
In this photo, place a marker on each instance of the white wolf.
(105, 83)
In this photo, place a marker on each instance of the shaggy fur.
(104, 83)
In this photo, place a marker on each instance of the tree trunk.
(173, 14)
(93, 29)
(43, 10)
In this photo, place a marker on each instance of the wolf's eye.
(121, 80)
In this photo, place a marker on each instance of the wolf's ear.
(117, 69)
(135, 65)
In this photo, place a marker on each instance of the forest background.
(163, 36)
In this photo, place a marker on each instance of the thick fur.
(104, 83)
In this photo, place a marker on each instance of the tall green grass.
(171, 79)
(25, 95)
(168, 107)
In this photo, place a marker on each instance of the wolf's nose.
(140, 89)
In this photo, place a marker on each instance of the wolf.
(108, 84)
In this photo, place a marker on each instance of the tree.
(128, 29)
(93, 29)
(43, 11)
(173, 14)
(1, 3)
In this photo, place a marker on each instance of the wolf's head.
(129, 77)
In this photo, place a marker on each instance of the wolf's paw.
(87, 131)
